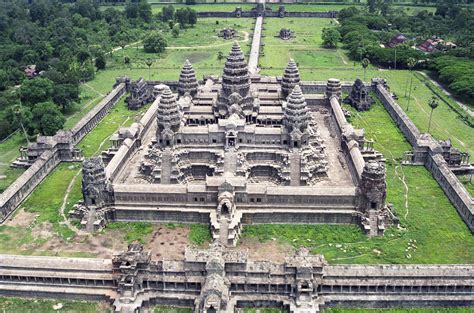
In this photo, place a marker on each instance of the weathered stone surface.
(291, 78)
(359, 97)
(187, 80)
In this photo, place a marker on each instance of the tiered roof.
(291, 78)
(296, 112)
(236, 76)
(168, 113)
(187, 80)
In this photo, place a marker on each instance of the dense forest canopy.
(67, 43)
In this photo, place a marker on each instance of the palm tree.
(411, 64)
(220, 56)
(365, 63)
(433, 103)
(18, 111)
(149, 63)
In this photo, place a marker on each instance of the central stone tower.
(235, 94)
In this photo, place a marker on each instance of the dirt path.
(94, 90)
(63, 206)
(246, 38)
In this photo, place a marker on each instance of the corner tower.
(168, 118)
(296, 117)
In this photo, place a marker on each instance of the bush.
(154, 43)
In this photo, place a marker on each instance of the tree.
(411, 64)
(167, 13)
(36, 90)
(131, 10)
(20, 117)
(100, 61)
(331, 37)
(149, 63)
(4, 81)
(47, 118)
(365, 63)
(433, 103)
(144, 11)
(64, 95)
(192, 17)
(154, 43)
(181, 16)
(175, 30)
(220, 56)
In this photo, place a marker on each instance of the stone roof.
(291, 78)
(296, 111)
(168, 114)
(187, 80)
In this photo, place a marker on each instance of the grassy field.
(422, 237)
(17, 305)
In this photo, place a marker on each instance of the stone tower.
(291, 78)
(373, 186)
(296, 117)
(235, 95)
(168, 118)
(187, 80)
(359, 97)
(96, 188)
(333, 88)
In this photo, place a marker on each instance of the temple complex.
(240, 149)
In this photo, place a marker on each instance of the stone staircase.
(373, 223)
(230, 161)
(295, 168)
(166, 167)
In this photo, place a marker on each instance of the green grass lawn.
(431, 223)
(17, 305)
(468, 182)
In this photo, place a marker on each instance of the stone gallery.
(242, 149)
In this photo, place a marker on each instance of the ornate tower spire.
(96, 188)
(187, 80)
(296, 112)
(168, 118)
(291, 78)
(234, 96)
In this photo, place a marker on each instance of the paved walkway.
(255, 50)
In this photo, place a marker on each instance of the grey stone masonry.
(46, 154)
(187, 80)
(224, 280)
(432, 154)
(291, 78)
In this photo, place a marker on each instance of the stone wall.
(11, 198)
(24, 185)
(91, 119)
(428, 151)
(454, 189)
(134, 280)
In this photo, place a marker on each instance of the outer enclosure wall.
(435, 163)
(24, 185)
(252, 282)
